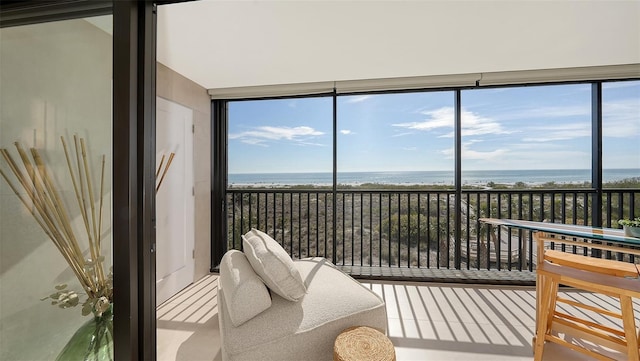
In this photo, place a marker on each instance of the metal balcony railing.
(416, 228)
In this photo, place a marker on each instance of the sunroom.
(378, 135)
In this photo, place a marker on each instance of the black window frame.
(219, 150)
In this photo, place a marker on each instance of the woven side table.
(362, 343)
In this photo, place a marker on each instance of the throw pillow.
(273, 264)
(245, 294)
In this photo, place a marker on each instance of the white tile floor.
(187, 325)
(426, 321)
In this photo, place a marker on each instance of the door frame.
(134, 88)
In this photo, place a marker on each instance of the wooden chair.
(608, 277)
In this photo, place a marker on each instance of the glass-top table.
(610, 235)
(557, 267)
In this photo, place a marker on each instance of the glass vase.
(631, 231)
(92, 342)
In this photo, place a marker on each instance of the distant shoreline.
(471, 179)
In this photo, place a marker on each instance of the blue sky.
(537, 127)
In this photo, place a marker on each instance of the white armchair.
(257, 323)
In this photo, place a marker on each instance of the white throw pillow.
(245, 294)
(273, 264)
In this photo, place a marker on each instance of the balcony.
(480, 301)
(426, 321)
(420, 235)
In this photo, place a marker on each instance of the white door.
(174, 200)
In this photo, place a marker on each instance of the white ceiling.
(221, 44)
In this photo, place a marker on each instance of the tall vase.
(92, 342)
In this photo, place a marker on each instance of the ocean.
(480, 177)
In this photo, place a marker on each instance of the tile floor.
(427, 321)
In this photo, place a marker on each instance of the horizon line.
(433, 170)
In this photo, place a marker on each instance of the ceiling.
(225, 44)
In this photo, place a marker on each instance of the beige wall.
(175, 87)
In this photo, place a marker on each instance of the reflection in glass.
(56, 82)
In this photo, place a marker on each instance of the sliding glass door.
(56, 187)
(77, 107)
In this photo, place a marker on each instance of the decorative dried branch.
(42, 199)
(166, 169)
(160, 166)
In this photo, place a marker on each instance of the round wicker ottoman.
(362, 343)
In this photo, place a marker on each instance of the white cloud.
(253, 141)
(358, 99)
(474, 154)
(619, 84)
(260, 135)
(516, 155)
(401, 134)
(544, 158)
(346, 131)
(541, 112)
(469, 154)
(472, 123)
(621, 118)
(557, 112)
(535, 147)
(311, 144)
(557, 132)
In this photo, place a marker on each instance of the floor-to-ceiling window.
(280, 144)
(63, 73)
(526, 152)
(620, 133)
(527, 136)
(56, 186)
(620, 149)
(535, 138)
(402, 142)
(401, 139)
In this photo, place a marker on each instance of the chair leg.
(553, 298)
(629, 323)
(547, 302)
